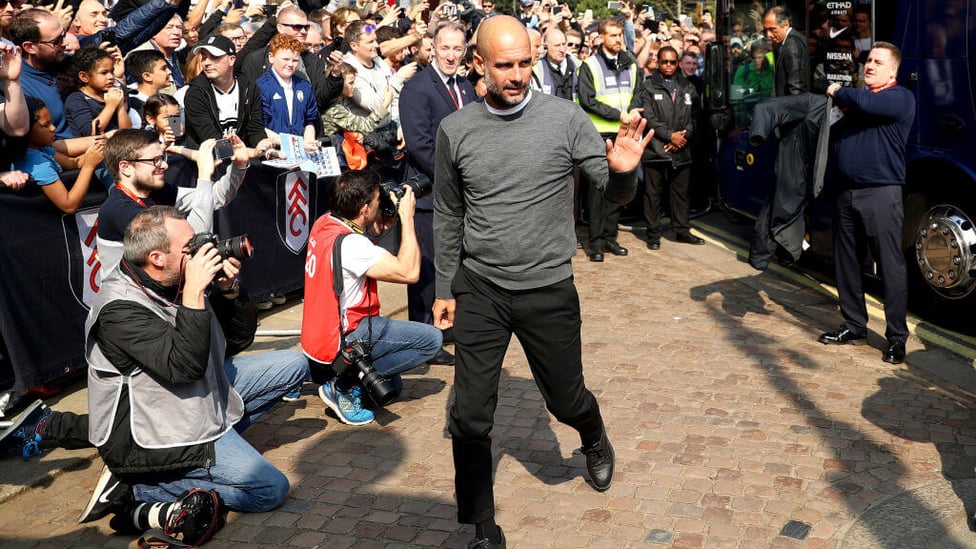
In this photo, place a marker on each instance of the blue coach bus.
(939, 65)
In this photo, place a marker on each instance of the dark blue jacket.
(870, 139)
(275, 107)
(424, 102)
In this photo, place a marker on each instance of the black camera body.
(420, 184)
(238, 247)
(357, 362)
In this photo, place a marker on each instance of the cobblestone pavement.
(728, 418)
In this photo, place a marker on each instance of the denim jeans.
(398, 345)
(241, 475)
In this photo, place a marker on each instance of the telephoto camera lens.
(357, 363)
(238, 247)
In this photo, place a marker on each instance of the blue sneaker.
(23, 436)
(294, 395)
(348, 407)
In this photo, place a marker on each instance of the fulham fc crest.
(293, 219)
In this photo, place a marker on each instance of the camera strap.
(338, 287)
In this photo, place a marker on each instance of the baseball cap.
(526, 3)
(216, 45)
(735, 41)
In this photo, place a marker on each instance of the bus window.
(944, 34)
(750, 60)
(836, 57)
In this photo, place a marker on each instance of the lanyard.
(453, 92)
(129, 193)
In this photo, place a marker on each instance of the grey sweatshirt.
(503, 191)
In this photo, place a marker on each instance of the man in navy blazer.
(425, 100)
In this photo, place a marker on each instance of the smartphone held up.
(223, 149)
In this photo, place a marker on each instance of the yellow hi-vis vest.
(612, 90)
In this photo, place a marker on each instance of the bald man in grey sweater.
(504, 239)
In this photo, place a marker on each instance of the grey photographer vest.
(162, 415)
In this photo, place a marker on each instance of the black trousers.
(871, 218)
(420, 295)
(604, 216)
(656, 176)
(547, 323)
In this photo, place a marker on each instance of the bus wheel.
(940, 255)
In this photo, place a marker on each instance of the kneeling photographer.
(342, 330)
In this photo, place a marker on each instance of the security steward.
(669, 102)
(606, 85)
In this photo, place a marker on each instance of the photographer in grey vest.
(167, 399)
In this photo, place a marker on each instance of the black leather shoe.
(442, 357)
(689, 239)
(596, 256)
(841, 337)
(654, 245)
(616, 249)
(599, 462)
(895, 353)
(486, 543)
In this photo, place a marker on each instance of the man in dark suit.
(790, 47)
(425, 100)
(790, 77)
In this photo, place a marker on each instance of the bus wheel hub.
(945, 244)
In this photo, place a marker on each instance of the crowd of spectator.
(195, 72)
(116, 97)
(94, 70)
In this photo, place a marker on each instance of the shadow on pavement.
(351, 487)
(933, 417)
(861, 472)
(522, 430)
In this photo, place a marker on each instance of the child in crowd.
(341, 118)
(45, 159)
(151, 73)
(157, 112)
(287, 100)
(92, 96)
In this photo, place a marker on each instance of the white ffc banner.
(296, 225)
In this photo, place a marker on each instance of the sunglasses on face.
(297, 27)
(16, 4)
(667, 61)
(56, 41)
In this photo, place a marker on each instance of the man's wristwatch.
(235, 287)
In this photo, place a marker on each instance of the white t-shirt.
(359, 254)
(227, 107)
